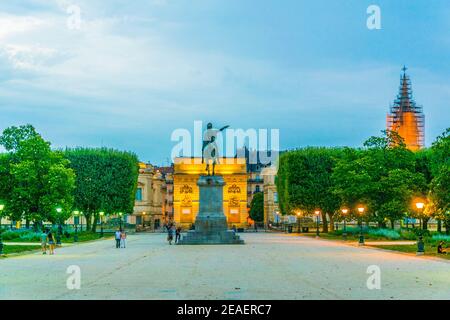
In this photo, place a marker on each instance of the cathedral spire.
(404, 99)
(405, 116)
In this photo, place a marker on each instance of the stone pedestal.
(211, 224)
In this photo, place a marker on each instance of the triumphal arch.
(186, 192)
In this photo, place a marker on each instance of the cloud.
(12, 25)
(126, 79)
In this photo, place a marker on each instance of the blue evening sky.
(137, 70)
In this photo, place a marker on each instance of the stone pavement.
(268, 266)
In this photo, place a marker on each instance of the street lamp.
(76, 220)
(420, 244)
(120, 220)
(59, 233)
(420, 206)
(2, 207)
(143, 219)
(317, 213)
(344, 213)
(361, 210)
(101, 223)
(298, 220)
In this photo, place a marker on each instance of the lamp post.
(344, 213)
(59, 233)
(75, 220)
(317, 213)
(101, 223)
(81, 221)
(361, 210)
(277, 218)
(120, 220)
(420, 244)
(298, 221)
(143, 219)
(2, 207)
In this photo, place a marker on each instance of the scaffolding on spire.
(406, 117)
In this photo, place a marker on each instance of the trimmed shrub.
(30, 237)
(350, 231)
(436, 238)
(385, 233)
(21, 235)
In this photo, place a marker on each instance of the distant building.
(254, 166)
(271, 208)
(149, 209)
(167, 190)
(406, 117)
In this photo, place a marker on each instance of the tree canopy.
(106, 180)
(257, 207)
(384, 176)
(35, 180)
(304, 181)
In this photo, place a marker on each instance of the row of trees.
(38, 184)
(384, 176)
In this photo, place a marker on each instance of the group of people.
(47, 242)
(171, 230)
(121, 239)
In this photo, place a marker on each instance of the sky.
(126, 74)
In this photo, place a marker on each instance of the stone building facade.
(149, 210)
(271, 208)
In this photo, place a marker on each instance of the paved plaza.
(268, 266)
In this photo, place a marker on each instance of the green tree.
(34, 172)
(257, 207)
(304, 182)
(5, 179)
(440, 184)
(106, 180)
(13, 136)
(381, 176)
(59, 187)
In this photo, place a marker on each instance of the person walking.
(117, 237)
(123, 239)
(178, 235)
(170, 234)
(44, 240)
(51, 242)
